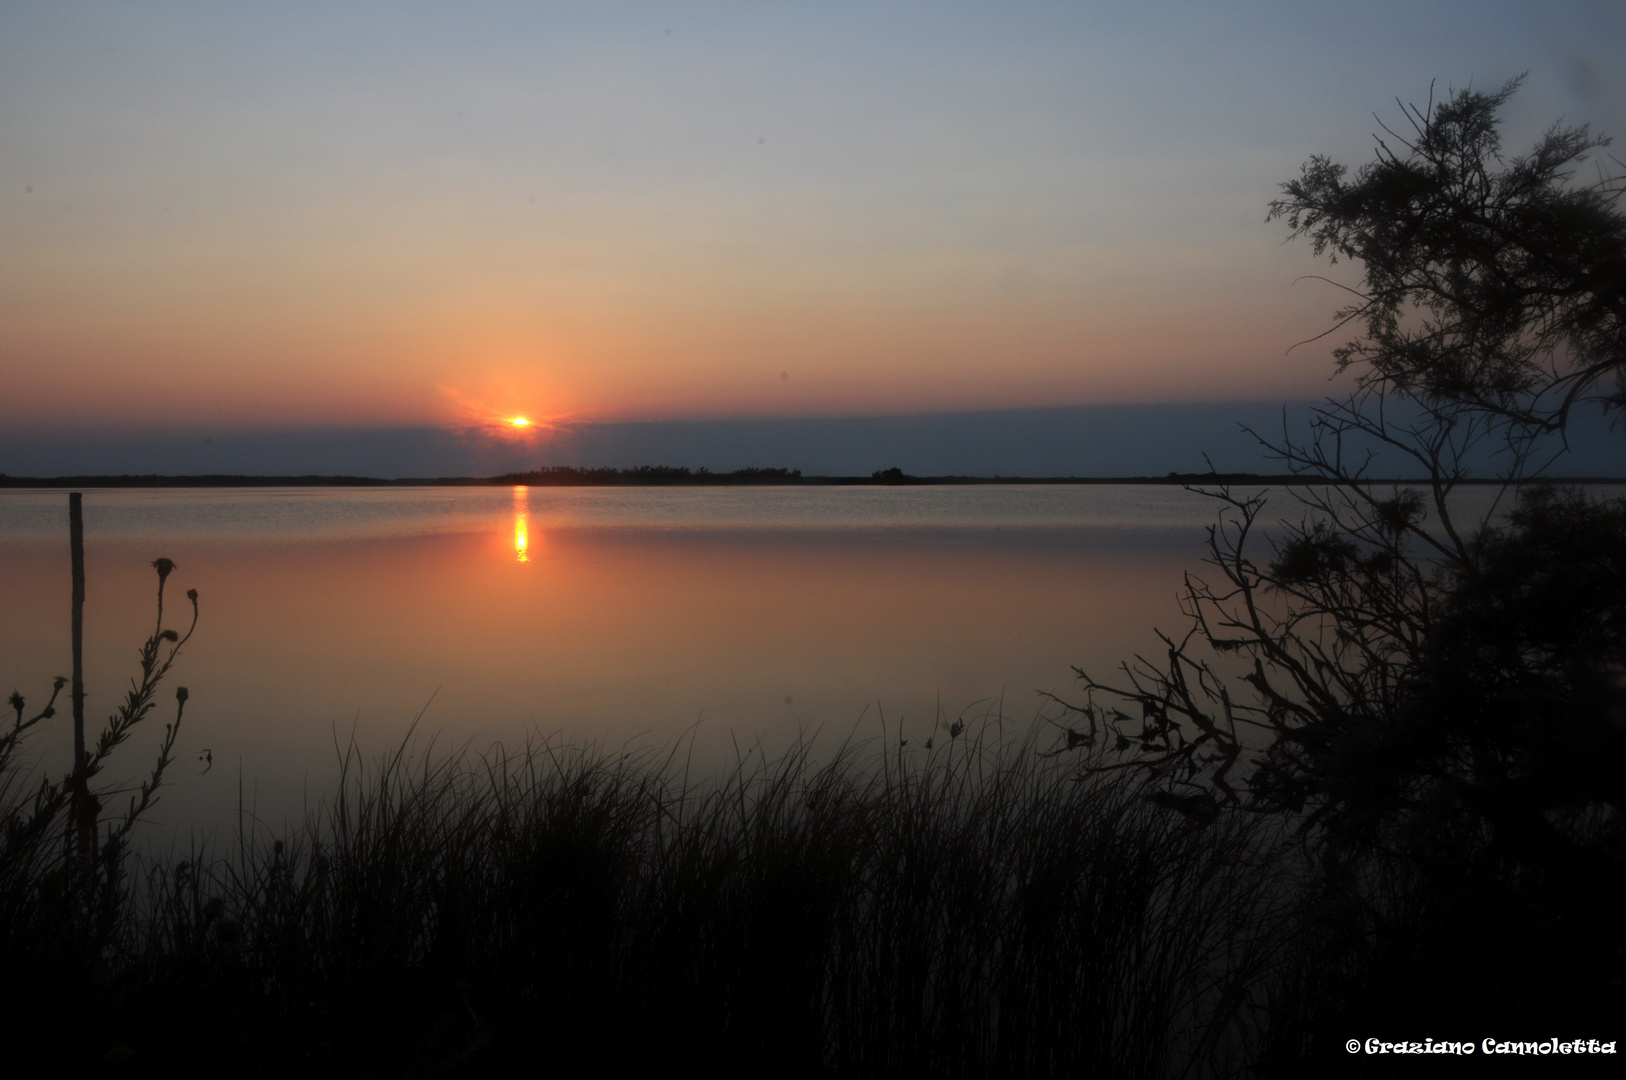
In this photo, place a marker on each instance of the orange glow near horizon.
(502, 409)
(705, 347)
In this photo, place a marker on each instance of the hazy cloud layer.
(1125, 440)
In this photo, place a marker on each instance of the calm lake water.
(625, 616)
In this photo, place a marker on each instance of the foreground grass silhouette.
(970, 911)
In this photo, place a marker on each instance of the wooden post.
(76, 548)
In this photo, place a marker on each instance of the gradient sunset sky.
(357, 215)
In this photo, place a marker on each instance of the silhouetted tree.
(1497, 284)
(1438, 696)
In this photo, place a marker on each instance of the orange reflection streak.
(522, 534)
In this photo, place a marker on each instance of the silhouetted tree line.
(646, 475)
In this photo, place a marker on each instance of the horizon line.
(683, 476)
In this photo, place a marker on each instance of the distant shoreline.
(663, 476)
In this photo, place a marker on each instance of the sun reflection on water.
(522, 534)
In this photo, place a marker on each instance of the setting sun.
(520, 421)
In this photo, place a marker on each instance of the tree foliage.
(1428, 678)
(1496, 283)
(1401, 660)
(1351, 679)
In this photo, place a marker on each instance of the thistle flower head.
(163, 566)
